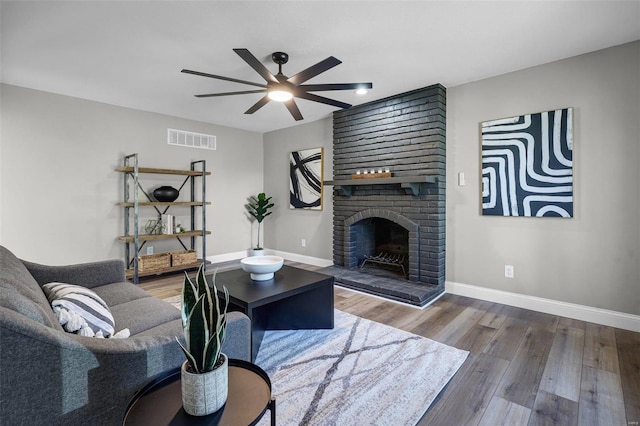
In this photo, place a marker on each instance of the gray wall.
(285, 228)
(592, 259)
(59, 188)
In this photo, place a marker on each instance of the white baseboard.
(226, 257)
(548, 306)
(294, 257)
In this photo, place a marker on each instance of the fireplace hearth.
(391, 229)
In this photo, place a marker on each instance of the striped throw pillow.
(84, 302)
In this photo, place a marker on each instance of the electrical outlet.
(150, 250)
(508, 271)
(303, 243)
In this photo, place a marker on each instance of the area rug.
(361, 372)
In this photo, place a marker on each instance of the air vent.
(190, 139)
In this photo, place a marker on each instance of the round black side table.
(160, 402)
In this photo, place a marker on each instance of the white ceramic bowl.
(261, 268)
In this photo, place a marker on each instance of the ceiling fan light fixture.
(283, 89)
(279, 95)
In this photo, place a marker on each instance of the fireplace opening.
(382, 247)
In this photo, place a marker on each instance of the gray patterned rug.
(359, 373)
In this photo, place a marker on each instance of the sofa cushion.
(14, 275)
(117, 293)
(83, 302)
(143, 314)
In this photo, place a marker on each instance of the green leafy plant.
(258, 207)
(204, 321)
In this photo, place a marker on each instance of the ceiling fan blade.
(244, 92)
(262, 102)
(314, 70)
(311, 97)
(219, 77)
(338, 86)
(256, 65)
(293, 109)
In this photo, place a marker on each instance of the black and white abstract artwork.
(527, 165)
(305, 179)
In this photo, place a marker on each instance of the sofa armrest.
(89, 275)
(238, 341)
(53, 377)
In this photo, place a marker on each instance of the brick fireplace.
(403, 215)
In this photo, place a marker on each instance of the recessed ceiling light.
(361, 91)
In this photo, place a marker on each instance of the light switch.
(461, 180)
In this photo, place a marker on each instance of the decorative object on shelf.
(204, 375)
(187, 257)
(166, 194)
(154, 262)
(527, 165)
(372, 175)
(258, 207)
(262, 268)
(168, 221)
(153, 227)
(305, 179)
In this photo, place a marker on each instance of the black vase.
(166, 194)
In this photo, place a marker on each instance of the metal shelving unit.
(134, 241)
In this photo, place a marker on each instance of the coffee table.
(160, 403)
(294, 299)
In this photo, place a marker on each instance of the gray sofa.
(49, 376)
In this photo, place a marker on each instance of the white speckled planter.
(205, 393)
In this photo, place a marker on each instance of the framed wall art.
(527, 165)
(305, 179)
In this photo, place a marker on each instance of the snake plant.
(204, 321)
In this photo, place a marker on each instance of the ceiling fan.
(281, 88)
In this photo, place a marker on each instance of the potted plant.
(204, 320)
(258, 208)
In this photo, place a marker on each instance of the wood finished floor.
(524, 367)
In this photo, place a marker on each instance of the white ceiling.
(130, 53)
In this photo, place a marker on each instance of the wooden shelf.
(133, 240)
(164, 203)
(129, 272)
(411, 184)
(155, 237)
(150, 170)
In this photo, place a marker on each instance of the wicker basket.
(152, 262)
(179, 258)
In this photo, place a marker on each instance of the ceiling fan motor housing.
(280, 58)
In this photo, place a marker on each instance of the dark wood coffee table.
(249, 397)
(294, 299)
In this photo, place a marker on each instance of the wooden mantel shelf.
(411, 184)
